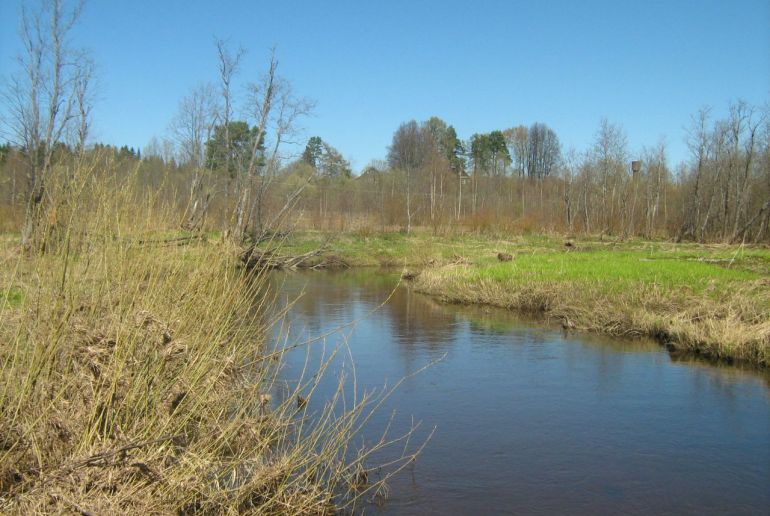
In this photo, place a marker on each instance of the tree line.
(519, 179)
(225, 164)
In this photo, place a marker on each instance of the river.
(528, 418)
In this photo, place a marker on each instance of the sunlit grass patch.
(613, 271)
(713, 300)
(11, 297)
(546, 258)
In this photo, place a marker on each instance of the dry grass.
(734, 324)
(136, 377)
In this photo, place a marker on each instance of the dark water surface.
(532, 421)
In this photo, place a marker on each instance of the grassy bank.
(708, 299)
(419, 249)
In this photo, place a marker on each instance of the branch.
(122, 450)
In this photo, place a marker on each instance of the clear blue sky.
(646, 65)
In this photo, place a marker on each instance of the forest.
(517, 180)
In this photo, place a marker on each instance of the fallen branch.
(739, 234)
(294, 262)
(171, 241)
(255, 258)
(93, 459)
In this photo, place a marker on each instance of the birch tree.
(46, 96)
(191, 128)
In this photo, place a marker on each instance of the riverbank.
(137, 377)
(712, 300)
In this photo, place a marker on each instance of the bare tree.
(543, 151)
(407, 153)
(725, 170)
(698, 142)
(610, 159)
(84, 101)
(228, 64)
(655, 179)
(518, 142)
(275, 110)
(570, 167)
(286, 109)
(745, 127)
(191, 129)
(713, 175)
(587, 178)
(262, 96)
(46, 95)
(764, 220)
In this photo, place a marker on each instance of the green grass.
(545, 258)
(614, 271)
(415, 249)
(707, 299)
(11, 297)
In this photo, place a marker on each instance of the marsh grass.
(421, 247)
(691, 305)
(709, 299)
(136, 376)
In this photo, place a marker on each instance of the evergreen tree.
(313, 151)
(240, 147)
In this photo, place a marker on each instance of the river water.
(529, 419)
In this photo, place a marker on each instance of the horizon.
(647, 68)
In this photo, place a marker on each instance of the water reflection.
(532, 420)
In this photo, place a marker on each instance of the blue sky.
(646, 65)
